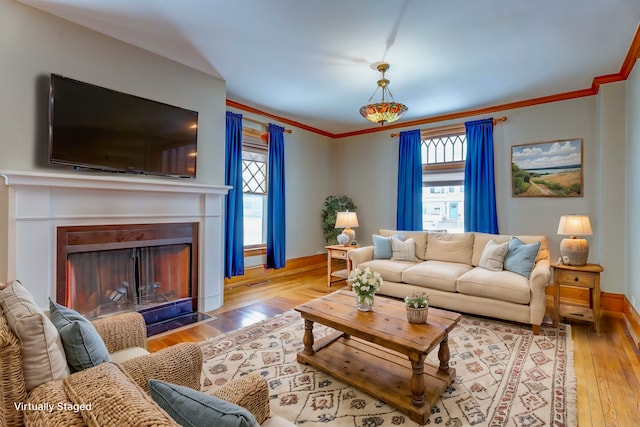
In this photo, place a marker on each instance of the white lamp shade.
(346, 219)
(574, 225)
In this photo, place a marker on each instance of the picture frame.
(547, 169)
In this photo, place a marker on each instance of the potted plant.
(364, 283)
(417, 307)
(332, 205)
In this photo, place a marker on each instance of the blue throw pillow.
(82, 344)
(382, 246)
(521, 257)
(189, 407)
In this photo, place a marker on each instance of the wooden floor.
(607, 364)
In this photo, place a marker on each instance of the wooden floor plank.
(608, 390)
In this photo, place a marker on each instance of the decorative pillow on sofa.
(521, 257)
(493, 255)
(450, 247)
(82, 343)
(43, 357)
(403, 251)
(382, 246)
(189, 407)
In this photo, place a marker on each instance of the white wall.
(366, 168)
(632, 288)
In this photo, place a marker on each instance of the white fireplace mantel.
(40, 202)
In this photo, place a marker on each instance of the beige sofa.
(37, 389)
(447, 267)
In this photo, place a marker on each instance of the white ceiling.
(311, 61)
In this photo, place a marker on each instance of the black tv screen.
(98, 128)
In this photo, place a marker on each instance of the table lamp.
(347, 220)
(574, 251)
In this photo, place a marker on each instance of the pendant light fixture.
(384, 111)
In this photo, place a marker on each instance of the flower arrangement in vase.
(417, 307)
(364, 283)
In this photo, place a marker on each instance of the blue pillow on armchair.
(82, 344)
(521, 257)
(190, 407)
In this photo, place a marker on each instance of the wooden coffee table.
(379, 351)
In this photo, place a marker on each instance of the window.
(443, 158)
(254, 189)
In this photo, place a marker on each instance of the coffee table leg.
(307, 339)
(417, 380)
(444, 355)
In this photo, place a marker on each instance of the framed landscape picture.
(547, 169)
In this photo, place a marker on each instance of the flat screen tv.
(98, 128)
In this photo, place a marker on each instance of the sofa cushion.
(521, 257)
(493, 255)
(403, 250)
(189, 407)
(480, 241)
(389, 270)
(83, 345)
(435, 274)
(500, 285)
(43, 357)
(450, 247)
(419, 238)
(382, 246)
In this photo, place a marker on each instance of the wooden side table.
(338, 252)
(584, 276)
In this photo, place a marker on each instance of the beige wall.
(308, 180)
(35, 44)
(632, 288)
(366, 170)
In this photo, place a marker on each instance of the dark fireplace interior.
(149, 268)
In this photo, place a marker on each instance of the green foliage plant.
(332, 205)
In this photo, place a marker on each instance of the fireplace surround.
(39, 204)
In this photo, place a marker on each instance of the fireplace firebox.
(150, 268)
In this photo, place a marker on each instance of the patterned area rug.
(505, 376)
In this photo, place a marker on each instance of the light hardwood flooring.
(607, 364)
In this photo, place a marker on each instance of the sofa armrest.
(360, 255)
(539, 278)
(250, 391)
(538, 282)
(122, 331)
(180, 364)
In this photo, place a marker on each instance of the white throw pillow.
(403, 251)
(493, 255)
(43, 356)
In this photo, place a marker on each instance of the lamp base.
(351, 234)
(575, 251)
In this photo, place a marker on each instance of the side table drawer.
(339, 254)
(575, 278)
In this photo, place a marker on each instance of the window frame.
(452, 167)
(256, 141)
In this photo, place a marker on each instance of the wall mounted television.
(98, 128)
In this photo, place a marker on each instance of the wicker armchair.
(117, 392)
(180, 364)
